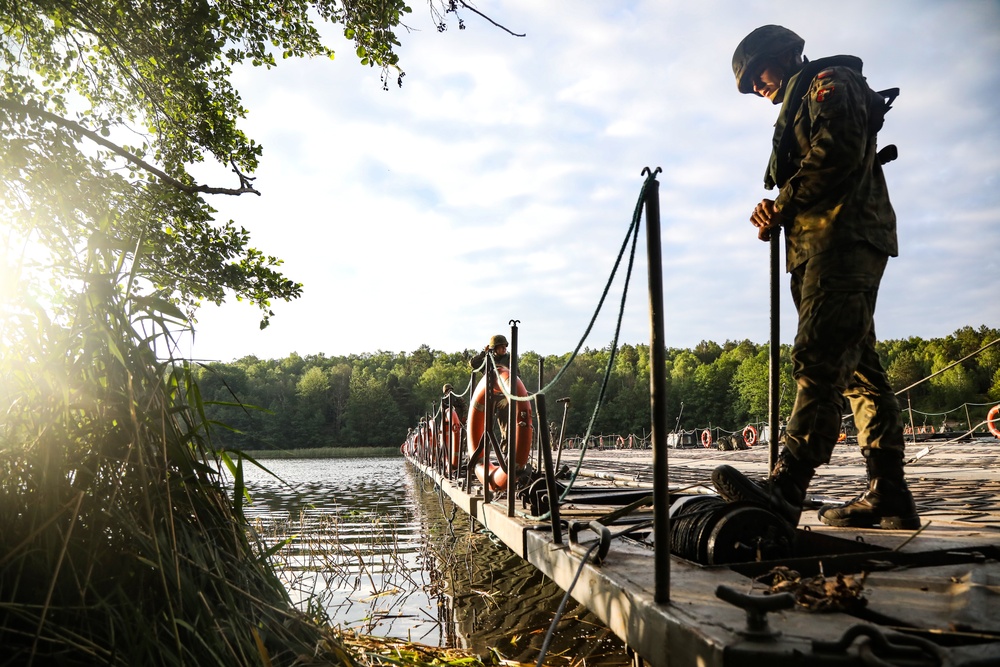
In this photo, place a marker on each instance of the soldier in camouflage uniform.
(497, 348)
(840, 230)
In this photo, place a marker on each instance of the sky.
(499, 182)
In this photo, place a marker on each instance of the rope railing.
(631, 234)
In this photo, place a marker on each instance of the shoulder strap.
(779, 169)
(876, 120)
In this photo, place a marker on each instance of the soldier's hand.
(765, 218)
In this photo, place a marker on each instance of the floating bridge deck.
(927, 597)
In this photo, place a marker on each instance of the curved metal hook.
(646, 171)
(513, 322)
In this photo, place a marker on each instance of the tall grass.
(119, 544)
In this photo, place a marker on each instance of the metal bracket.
(603, 533)
(756, 607)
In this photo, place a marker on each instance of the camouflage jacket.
(832, 189)
(477, 361)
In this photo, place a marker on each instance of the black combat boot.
(783, 493)
(886, 502)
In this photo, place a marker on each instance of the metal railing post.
(512, 410)
(774, 360)
(470, 462)
(545, 445)
(658, 390)
(541, 425)
(486, 442)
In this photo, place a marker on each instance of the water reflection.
(380, 550)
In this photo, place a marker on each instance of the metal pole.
(774, 365)
(657, 389)
(913, 429)
(487, 441)
(550, 480)
(541, 425)
(562, 429)
(445, 442)
(449, 439)
(470, 462)
(512, 410)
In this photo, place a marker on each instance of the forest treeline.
(373, 398)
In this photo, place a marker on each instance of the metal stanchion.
(658, 390)
(550, 480)
(512, 410)
(774, 364)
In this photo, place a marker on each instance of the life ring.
(706, 438)
(993, 420)
(452, 418)
(477, 426)
(750, 435)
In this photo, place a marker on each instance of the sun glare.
(21, 261)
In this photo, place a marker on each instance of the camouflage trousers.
(834, 361)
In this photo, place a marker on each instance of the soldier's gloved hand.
(765, 218)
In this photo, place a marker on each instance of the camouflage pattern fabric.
(840, 230)
(477, 360)
(834, 358)
(832, 189)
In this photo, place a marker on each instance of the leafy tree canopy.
(105, 105)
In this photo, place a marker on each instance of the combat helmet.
(498, 340)
(766, 41)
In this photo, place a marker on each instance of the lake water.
(376, 546)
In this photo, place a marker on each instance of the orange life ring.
(477, 426)
(993, 419)
(455, 433)
(706, 438)
(750, 435)
(842, 437)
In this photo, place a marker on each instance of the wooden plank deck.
(957, 487)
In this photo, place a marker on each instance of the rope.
(562, 606)
(633, 233)
(935, 374)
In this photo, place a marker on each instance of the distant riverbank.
(325, 453)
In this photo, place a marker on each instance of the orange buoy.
(750, 435)
(706, 438)
(477, 427)
(993, 420)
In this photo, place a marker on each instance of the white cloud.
(499, 182)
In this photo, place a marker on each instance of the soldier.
(840, 230)
(498, 348)
(454, 401)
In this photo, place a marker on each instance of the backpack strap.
(890, 152)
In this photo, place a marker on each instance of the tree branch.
(472, 9)
(245, 187)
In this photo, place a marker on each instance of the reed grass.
(119, 543)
